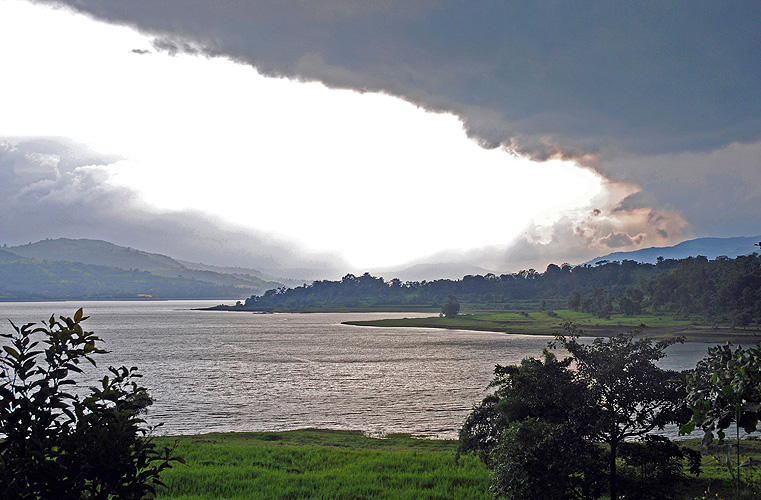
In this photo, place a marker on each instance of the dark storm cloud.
(662, 95)
(719, 191)
(51, 188)
(646, 77)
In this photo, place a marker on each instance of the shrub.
(54, 444)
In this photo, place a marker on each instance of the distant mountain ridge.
(99, 269)
(63, 268)
(707, 247)
(95, 252)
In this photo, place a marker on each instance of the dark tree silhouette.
(630, 395)
(545, 420)
(54, 444)
(451, 308)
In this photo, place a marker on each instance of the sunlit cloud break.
(372, 177)
(374, 152)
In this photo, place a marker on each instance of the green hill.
(93, 269)
(707, 247)
(95, 252)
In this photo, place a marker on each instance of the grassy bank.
(321, 464)
(548, 322)
(715, 481)
(324, 464)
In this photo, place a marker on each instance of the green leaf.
(727, 392)
(687, 428)
(13, 352)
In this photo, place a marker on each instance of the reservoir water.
(211, 371)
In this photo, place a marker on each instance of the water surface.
(212, 371)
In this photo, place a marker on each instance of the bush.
(653, 468)
(537, 460)
(54, 444)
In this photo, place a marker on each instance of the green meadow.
(326, 464)
(549, 322)
(715, 481)
(321, 464)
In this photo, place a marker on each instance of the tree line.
(727, 289)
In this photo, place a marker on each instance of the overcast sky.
(319, 138)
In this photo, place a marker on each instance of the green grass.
(548, 323)
(321, 464)
(325, 464)
(715, 482)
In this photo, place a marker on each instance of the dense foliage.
(55, 444)
(726, 289)
(724, 389)
(541, 429)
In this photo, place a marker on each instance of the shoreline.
(691, 332)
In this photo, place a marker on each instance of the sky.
(312, 139)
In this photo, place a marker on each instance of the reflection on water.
(223, 371)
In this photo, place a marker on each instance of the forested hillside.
(103, 253)
(25, 279)
(63, 268)
(729, 289)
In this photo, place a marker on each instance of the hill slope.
(95, 252)
(103, 253)
(26, 279)
(93, 269)
(707, 247)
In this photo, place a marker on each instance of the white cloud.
(71, 198)
(370, 176)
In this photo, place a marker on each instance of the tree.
(59, 445)
(528, 429)
(725, 388)
(451, 308)
(631, 395)
(534, 389)
(631, 302)
(614, 394)
(574, 301)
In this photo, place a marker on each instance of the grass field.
(549, 322)
(322, 464)
(325, 464)
(715, 482)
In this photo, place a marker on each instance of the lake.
(213, 371)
